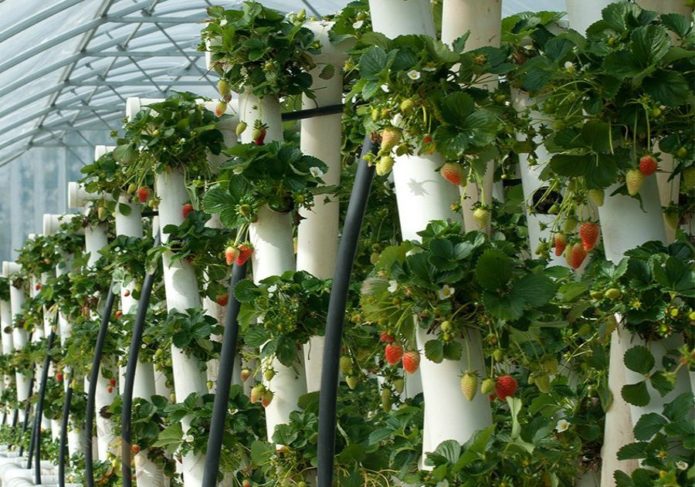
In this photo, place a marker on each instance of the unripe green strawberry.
(390, 138)
(224, 89)
(487, 386)
(597, 196)
(399, 385)
(542, 381)
(268, 374)
(469, 385)
(384, 165)
(345, 364)
(407, 105)
(386, 400)
(257, 393)
(240, 128)
(570, 224)
(267, 398)
(498, 355)
(245, 374)
(689, 178)
(352, 381)
(220, 108)
(132, 188)
(633, 180)
(612, 293)
(482, 216)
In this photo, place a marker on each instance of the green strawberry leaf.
(639, 359)
(493, 270)
(434, 351)
(648, 425)
(636, 394)
(633, 451)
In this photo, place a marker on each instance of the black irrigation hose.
(312, 112)
(15, 417)
(335, 321)
(133, 352)
(64, 436)
(93, 378)
(39, 408)
(224, 381)
(25, 426)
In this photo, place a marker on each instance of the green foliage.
(282, 312)
(177, 133)
(277, 175)
(258, 49)
(190, 331)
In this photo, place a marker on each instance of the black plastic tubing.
(336, 315)
(39, 408)
(64, 436)
(224, 381)
(93, 378)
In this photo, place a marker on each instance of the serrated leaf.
(636, 394)
(373, 62)
(633, 451)
(434, 351)
(650, 43)
(534, 289)
(639, 359)
(667, 87)
(493, 270)
(680, 407)
(661, 382)
(327, 72)
(648, 425)
(456, 108)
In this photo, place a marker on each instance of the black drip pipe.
(224, 381)
(133, 352)
(93, 378)
(335, 322)
(25, 426)
(312, 112)
(39, 409)
(64, 436)
(15, 417)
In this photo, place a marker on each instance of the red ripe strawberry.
(126, 292)
(222, 299)
(560, 243)
(135, 449)
(648, 165)
(505, 386)
(109, 390)
(588, 232)
(230, 254)
(244, 254)
(576, 256)
(393, 353)
(427, 139)
(59, 376)
(38, 286)
(186, 210)
(452, 172)
(384, 337)
(143, 193)
(411, 361)
(118, 314)
(112, 382)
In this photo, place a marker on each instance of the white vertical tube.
(484, 22)
(19, 335)
(582, 13)
(321, 137)
(181, 287)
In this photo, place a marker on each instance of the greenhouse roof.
(68, 65)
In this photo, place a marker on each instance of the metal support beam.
(36, 18)
(142, 54)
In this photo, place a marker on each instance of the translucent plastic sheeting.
(66, 69)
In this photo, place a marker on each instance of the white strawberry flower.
(316, 172)
(358, 24)
(562, 425)
(569, 67)
(445, 292)
(681, 465)
(188, 438)
(272, 288)
(414, 74)
(393, 285)
(385, 88)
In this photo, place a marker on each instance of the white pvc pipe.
(181, 287)
(539, 225)
(19, 335)
(582, 13)
(266, 110)
(398, 17)
(321, 137)
(483, 21)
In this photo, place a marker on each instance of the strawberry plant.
(260, 49)
(190, 331)
(613, 95)
(178, 132)
(289, 309)
(275, 174)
